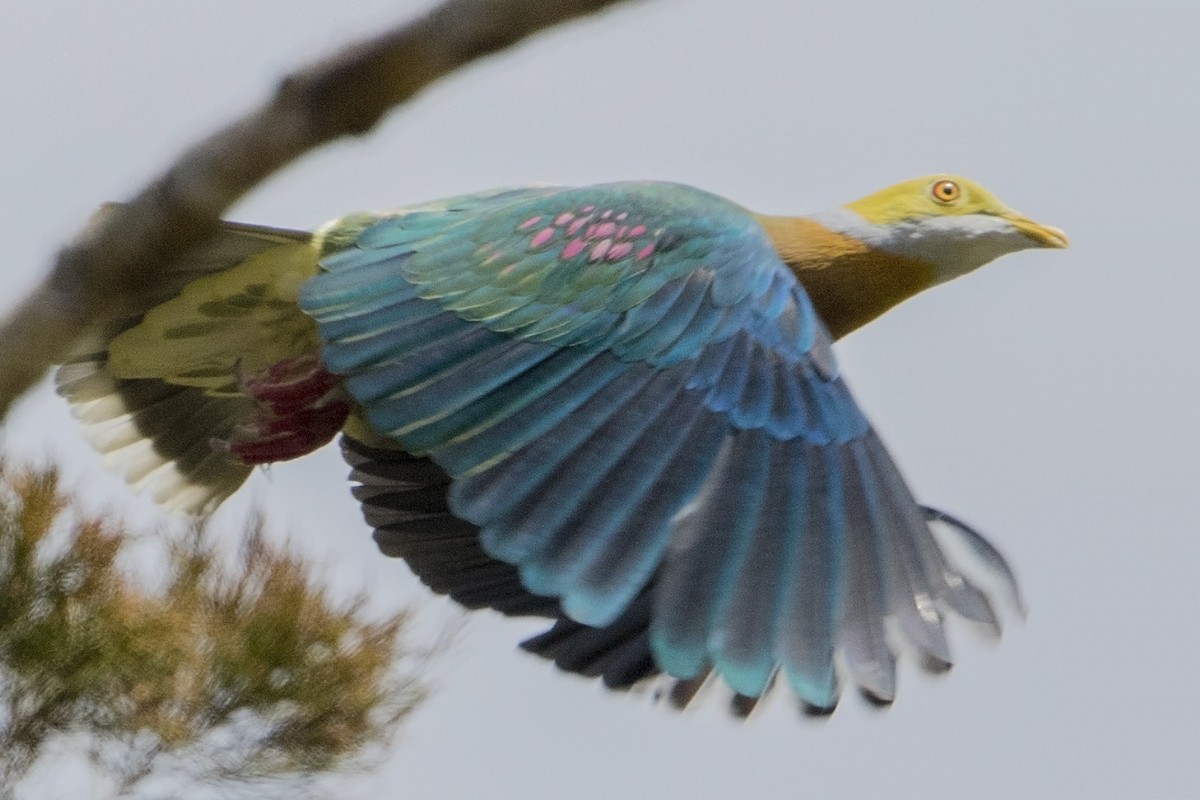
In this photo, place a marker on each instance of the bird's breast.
(850, 283)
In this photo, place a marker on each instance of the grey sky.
(1050, 399)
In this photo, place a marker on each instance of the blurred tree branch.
(114, 260)
(237, 674)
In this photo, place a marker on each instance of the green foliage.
(236, 672)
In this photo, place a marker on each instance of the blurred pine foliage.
(235, 674)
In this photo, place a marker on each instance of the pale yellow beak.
(1042, 235)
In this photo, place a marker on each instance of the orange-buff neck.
(849, 283)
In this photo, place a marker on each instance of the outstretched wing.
(404, 498)
(625, 383)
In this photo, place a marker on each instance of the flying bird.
(615, 407)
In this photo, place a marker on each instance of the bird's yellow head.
(861, 259)
(951, 223)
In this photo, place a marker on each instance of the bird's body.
(614, 406)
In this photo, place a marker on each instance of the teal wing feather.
(627, 387)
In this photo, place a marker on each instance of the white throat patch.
(954, 245)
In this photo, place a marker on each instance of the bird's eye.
(945, 191)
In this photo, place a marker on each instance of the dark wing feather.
(404, 500)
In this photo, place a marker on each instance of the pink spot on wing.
(586, 209)
(618, 251)
(529, 223)
(637, 231)
(646, 252)
(600, 249)
(564, 218)
(606, 229)
(543, 236)
(622, 215)
(590, 233)
(606, 214)
(624, 229)
(574, 248)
